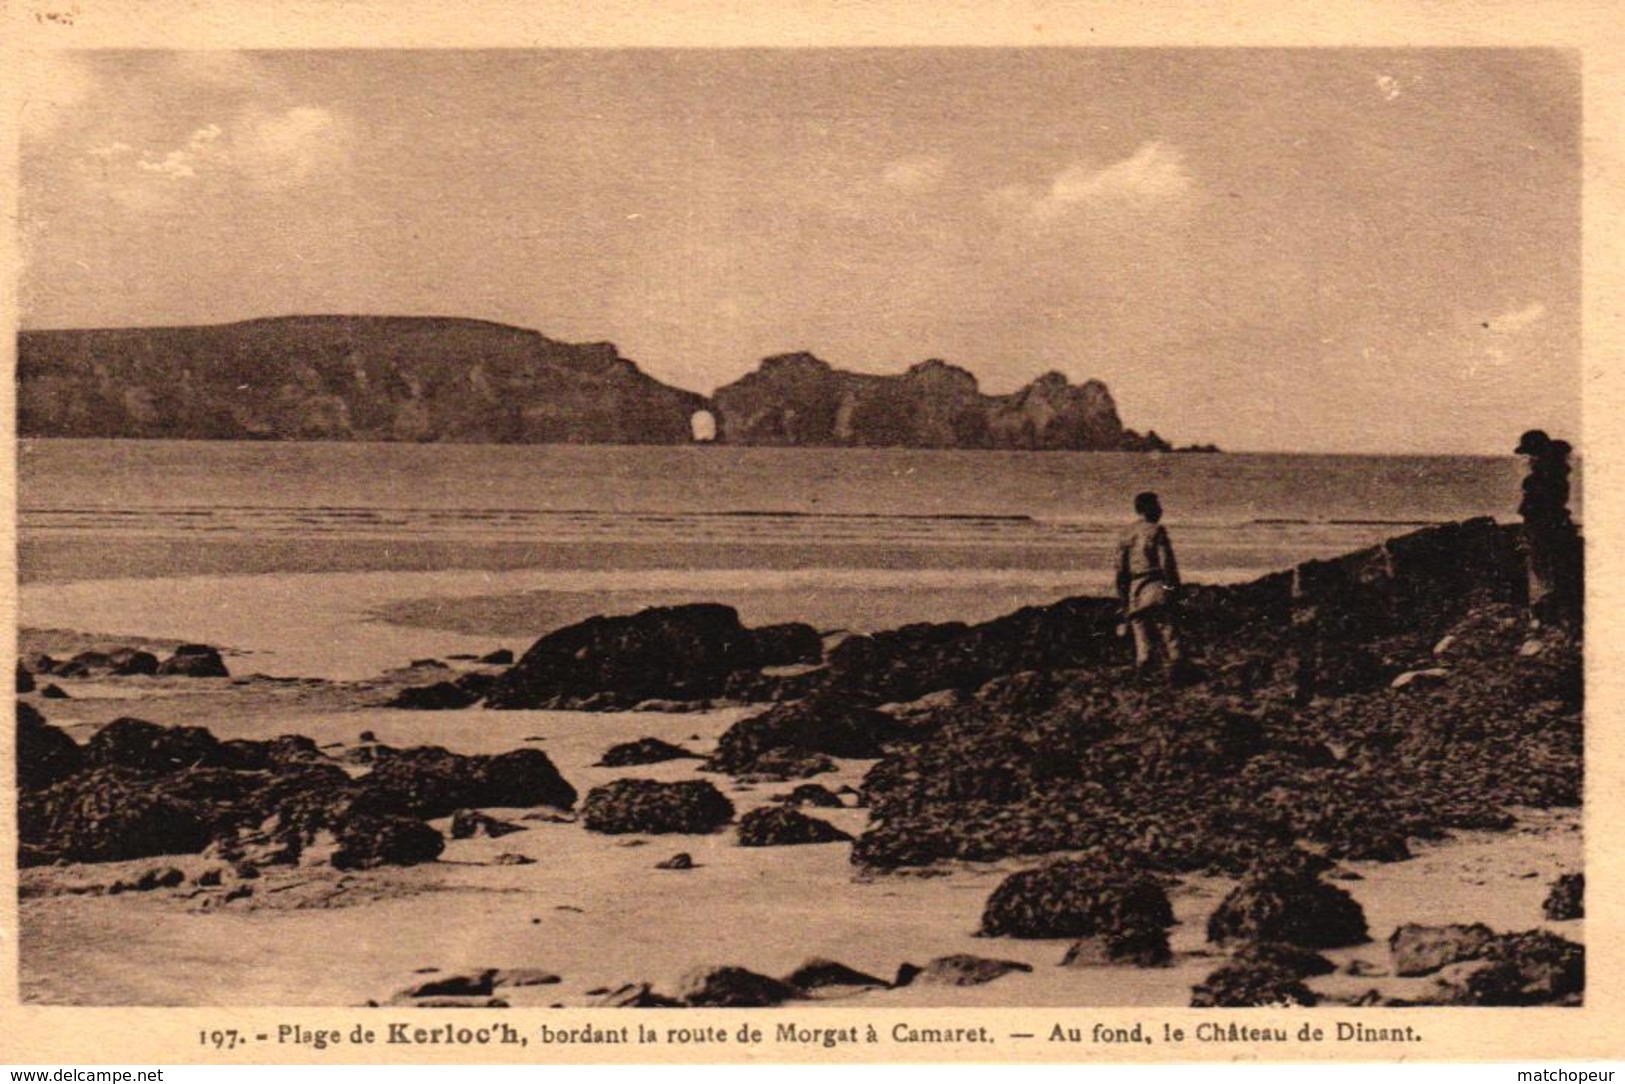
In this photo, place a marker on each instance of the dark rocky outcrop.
(441, 696)
(819, 974)
(827, 724)
(367, 841)
(342, 378)
(429, 781)
(468, 823)
(1143, 945)
(798, 400)
(1422, 950)
(1536, 967)
(812, 794)
(673, 652)
(1288, 906)
(779, 826)
(1287, 957)
(1567, 898)
(194, 660)
(644, 751)
(108, 815)
(791, 644)
(1075, 899)
(139, 746)
(1251, 984)
(25, 680)
(645, 805)
(46, 755)
(959, 969)
(733, 987)
(681, 860)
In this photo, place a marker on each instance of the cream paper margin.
(133, 1037)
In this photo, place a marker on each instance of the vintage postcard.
(1008, 532)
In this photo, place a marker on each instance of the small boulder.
(1422, 950)
(821, 974)
(194, 660)
(1294, 958)
(441, 696)
(464, 984)
(468, 823)
(1075, 899)
(500, 657)
(1419, 678)
(692, 806)
(635, 995)
(140, 746)
(959, 969)
(680, 860)
(46, 755)
(25, 680)
(366, 842)
(509, 858)
(643, 751)
(1139, 945)
(813, 794)
(53, 691)
(1567, 898)
(1291, 906)
(1242, 985)
(108, 815)
(778, 826)
(733, 987)
(1536, 967)
(132, 662)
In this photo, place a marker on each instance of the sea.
(1232, 515)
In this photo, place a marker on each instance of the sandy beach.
(589, 908)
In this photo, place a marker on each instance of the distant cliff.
(443, 379)
(342, 378)
(796, 399)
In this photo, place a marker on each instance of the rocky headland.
(395, 378)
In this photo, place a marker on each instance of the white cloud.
(201, 150)
(920, 173)
(1389, 87)
(1517, 319)
(289, 147)
(1154, 176)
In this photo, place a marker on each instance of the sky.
(1330, 250)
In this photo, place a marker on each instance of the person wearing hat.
(1147, 585)
(1551, 543)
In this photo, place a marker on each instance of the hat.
(1533, 442)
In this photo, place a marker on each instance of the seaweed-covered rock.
(958, 969)
(139, 746)
(643, 751)
(820, 974)
(1251, 984)
(645, 805)
(1074, 899)
(429, 781)
(733, 987)
(1287, 957)
(441, 696)
(1567, 898)
(1132, 945)
(132, 662)
(53, 691)
(675, 652)
(463, 984)
(830, 724)
(1422, 950)
(367, 841)
(194, 660)
(1536, 967)
(284, 751)
(777, 765)
(45, 754)
(108, 815)
(468, 823)
(1288, 906)
(813, 794)
(778, 826)
(789, 644)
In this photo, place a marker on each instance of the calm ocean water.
(1232, 515)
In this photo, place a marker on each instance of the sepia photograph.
(867, 528)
